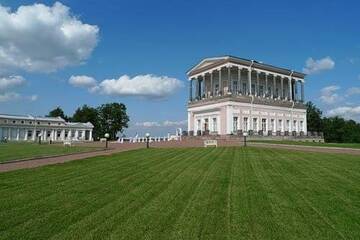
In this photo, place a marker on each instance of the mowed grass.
(15, 151)
(317, 144)
(195, 193)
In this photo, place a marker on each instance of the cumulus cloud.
(329, 95)
(82, 81)
(43, 38)
(10, 82)
(353, 91)
(315, 66)
(346, 112)
(9, 96)
(166, 123)
(148, 86)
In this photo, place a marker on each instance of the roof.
(209, 63)
(31, 117)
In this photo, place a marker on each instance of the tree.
(88, 114)
(113, 118)
(314, 118)
(58, 112)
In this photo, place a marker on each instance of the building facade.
(230, 95)
(31, 128)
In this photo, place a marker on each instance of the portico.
(229, 95)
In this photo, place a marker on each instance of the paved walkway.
(117, 147)
(113, 148)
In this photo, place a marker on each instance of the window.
(29, 133)
(30, 122)
(5, 121)
(244, 88)
(277, 92)
(198, 124)
(301, 126)
(252, 89)
(206, 124)
(263, 124)
(269, 91)
(80, 134)
(58, 133)
(38, 123)
(294, 125)
(261, 90)
(255, 124)
(245, 124)
(280, 126)
(272, 125)
(48, 123)
(22, 122)
(14, 121)
(235, 86)
(287, 125)
(48, 134)
(283, 93)
(235, 124)
(217, 88)
(214, 124)
(66, 134)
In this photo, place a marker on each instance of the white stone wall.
(225, 112)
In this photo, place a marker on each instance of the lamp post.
(245, 135)
(106, 141)
(147, 139)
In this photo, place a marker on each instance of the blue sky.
(160, 40)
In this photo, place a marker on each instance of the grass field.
(195, 193)
(15, 151)
(342, 145)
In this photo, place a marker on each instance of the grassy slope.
(343, 145)
(14, 151)
(223, 193)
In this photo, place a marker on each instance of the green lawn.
(195, 193)
(343, 145)
(15, 151)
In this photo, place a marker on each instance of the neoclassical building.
(30, 128)
(231, 95)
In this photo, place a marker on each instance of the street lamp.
(147, 135)
(106, 141)
(245, 135)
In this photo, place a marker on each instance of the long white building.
(30, 128)
(230, 95)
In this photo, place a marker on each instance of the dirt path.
(117, 147)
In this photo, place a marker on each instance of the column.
(26, 134)
(282, 87)
(17, 134)
(257, 87)
(274, 86)
(190, 90)
(76, 134)
(90, 135)
(290, 89)
(302, 91)
(229, 86)
(211, 84)
(249, 79)
(239, 80)
(266, 85)
(220, 84)
(83, 134)
(62, 136)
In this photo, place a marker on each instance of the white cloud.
(346, 112)
(147, 124)
(9, 96)
(166, 123)
(174, 123)
(353, 91)
(33, 97)
(329, 95)
(43, 38)
(149, 86)
(315, 66)
(10, 82)
(82, 81)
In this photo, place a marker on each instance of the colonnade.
(235, 80)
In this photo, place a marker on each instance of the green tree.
(58, 112)
(113, 118)
(88, 114)
(314, 118)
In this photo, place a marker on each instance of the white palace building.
(31, 128)
(230, 95)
